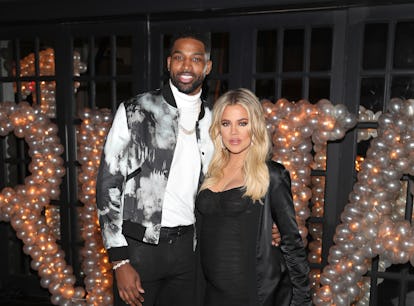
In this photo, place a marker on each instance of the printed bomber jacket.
(135, 165)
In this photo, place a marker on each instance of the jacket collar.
(169, 97)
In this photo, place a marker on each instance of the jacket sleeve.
(292, 247)
(109, 186)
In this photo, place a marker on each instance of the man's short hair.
(203, 37)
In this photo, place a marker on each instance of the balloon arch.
(372, 222)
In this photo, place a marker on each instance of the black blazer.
(282, 272)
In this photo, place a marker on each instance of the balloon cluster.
(47, 88)
(297, 128)
(372, 222)
(23, 205)
(367, 115)
(95, 263)
(47, 101)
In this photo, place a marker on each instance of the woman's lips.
(234, 141)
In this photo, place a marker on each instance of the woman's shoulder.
(278, 172)
(275, 166)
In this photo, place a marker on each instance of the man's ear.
(209, 65)
(168, 62)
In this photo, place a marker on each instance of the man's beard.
(187, 88)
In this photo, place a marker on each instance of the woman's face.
(235, 129)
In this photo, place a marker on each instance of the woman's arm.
(292, 247)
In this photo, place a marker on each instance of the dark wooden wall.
(24, 11)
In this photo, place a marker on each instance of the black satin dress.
(227, 238)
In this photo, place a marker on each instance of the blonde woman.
(243, 194)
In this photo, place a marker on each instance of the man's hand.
(129, 285)
(275, 235)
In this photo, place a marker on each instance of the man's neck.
(185, 100)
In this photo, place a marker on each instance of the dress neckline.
(230, 189)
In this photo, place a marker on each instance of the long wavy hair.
(254, 169)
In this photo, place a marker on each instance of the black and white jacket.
(135, 166)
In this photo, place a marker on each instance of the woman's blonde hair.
(254, 169)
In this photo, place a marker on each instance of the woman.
(243, 194)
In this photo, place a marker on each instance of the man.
(151, 165)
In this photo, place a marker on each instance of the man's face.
(188, 65)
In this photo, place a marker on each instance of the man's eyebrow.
(181, 52)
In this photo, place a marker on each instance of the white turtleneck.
(178, 206)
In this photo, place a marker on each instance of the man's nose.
(187, 63)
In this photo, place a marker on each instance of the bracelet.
(119, 264)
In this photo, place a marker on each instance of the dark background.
(363, 69)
